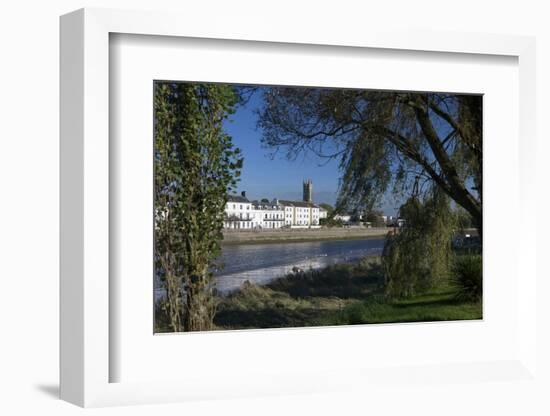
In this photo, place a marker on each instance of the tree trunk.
(174, 302)
(199, 306)
(479, 225)
(454, 185)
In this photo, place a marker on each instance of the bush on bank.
(467, 278)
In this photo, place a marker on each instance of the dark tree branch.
(459, 191)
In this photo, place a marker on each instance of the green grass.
(435, 305)
(338, 295)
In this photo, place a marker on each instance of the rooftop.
(302, 204)
(271, 204)
(237, 198)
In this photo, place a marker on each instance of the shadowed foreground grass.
(435, 305)
(337, 295)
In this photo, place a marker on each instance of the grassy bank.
(344, 294)
(231, 237)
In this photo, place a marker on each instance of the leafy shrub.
(467, 278)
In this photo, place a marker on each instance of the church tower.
(308, 191)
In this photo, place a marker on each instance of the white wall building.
(300, 214)
(243, 214)
(239, 213)
(269, 214)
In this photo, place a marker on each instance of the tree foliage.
(419, 256)
(464, 220)
(196, 166)
(383, 139)
(331, 222)
(327, 207)
(375, 218)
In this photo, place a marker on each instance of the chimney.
(243, 194)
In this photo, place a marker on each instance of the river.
(261, 263)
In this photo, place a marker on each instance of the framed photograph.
(382, 234)
(288, 213)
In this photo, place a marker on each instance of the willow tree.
(196, 165)
(383, 139)
(419, 256)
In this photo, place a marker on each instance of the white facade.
(242, 214)
(238, 213)
(299, 214)
(270, 215)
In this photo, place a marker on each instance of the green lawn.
(435, 305)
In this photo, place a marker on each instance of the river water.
(262, 263)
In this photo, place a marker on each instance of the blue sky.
(278, 177)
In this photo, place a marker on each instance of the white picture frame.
(85, 353)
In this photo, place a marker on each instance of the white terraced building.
(240, 213)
